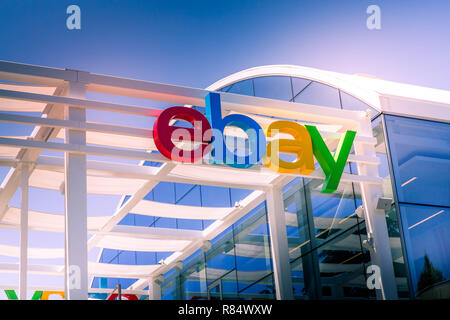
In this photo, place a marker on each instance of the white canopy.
(160, 209)
(47, 221)
(53, 180)
(94, 268)
(21, 105)
(139, 244)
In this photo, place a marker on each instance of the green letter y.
(332, 165)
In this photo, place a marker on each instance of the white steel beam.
(131, 171)
(23, 233)
(79, 102)
(76, 125)
(279, 244)
(376, 220)
(76, 261)
(141, 155)
(12, 181)
(154, 288)
(129, 205)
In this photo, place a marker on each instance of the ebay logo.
(203, 140)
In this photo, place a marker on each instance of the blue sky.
(195, 43)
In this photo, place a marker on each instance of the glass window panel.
(305, 273)
(164, 192)
(143, 221)
(220, 259)
(162, 222)
(349, 102)
(168, 291)
(149, 196)
(125, 283)
(397, 253)
(215, 196)
(225, 89)
(297, 220)
(162, 255)
(145, 258)
(153, 163)
(298, 281)
(190, 224)
(196, 290)
(332, 213)
(256, 212)
(207, 223)
(342, 263)
(188, 283)
(181, 189)
(239, 194)
(319, 94)
(229, 286)
(252, 249)
(127, 257)
(193, 281)
(277, 87)
(298, 84)
(427, 238)
(214, 291)
(263, 289)
(112, 283)
(223, 261)
(189, 196)
(243, 87)
(420, 159)
(108, 255)
(127, 220)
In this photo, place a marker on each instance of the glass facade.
(326, 234)
(325, 231)
(238, 265)
(420, 153)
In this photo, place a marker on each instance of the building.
(217, 232)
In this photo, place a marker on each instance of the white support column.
(154, 288)
(76, 263)
(376, 220)
(23, 269)
(279, 244)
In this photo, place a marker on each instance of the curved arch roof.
(368, 89)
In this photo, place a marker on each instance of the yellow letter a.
(300, 146)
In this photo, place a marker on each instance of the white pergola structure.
(60, 98)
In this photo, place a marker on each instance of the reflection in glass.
(273, 88)
(325, 236)
(427, 237)
(421, 160)
(244, 87)
(298, 85)
(319, 94)
(262, 289)
(239, 259)
(351, 103)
